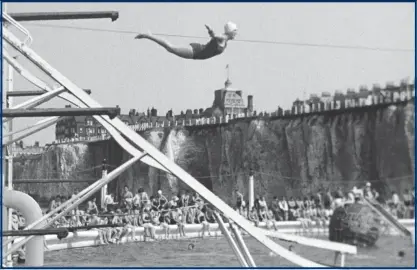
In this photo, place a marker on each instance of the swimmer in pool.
(198, 51)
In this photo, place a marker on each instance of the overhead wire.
(304, 44)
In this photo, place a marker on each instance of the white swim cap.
(230, 28)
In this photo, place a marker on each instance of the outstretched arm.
(210, 31)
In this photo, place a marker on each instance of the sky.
(139, 74)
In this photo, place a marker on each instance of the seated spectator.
(328, 199)
(183, 200)
(303, 215)
(375, 194)
(270, 221)
(312, 200)
(179, 219)
(368, 192)
(244, 212)
(263, 208)
(154, 203)
(162, 200)
(407, 198)
(174, 203)
(339, 193)
(103, 233)
(239, 199)
(300, 203)
(92, 207)
(276, 210)
(350, 199)
(292, 206)
(109, 203)
(209, 214)
(15, 221)
(199, 216)
(117, 231)
(127, 198)
(54, 203)
(318, 200)
(307, 202)
(253, 216)
(129, 221)
(136, 200)
(315, 216)
(206, 223)
(143, 197)
(147, 222)
(283, 205)
(395, 202)
(76, 191)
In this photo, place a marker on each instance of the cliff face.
(290, 157)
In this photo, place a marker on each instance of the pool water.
(217, 252)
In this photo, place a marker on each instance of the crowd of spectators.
(319, 206)
(151, 212)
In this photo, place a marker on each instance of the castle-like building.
(227, 101)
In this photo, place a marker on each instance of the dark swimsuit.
(209, 50)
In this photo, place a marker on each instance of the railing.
(9, 20)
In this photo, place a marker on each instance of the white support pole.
(40, 122)
(116, 125)
(104, 188)
(25, 73)
(342, 259)
(43, 126)
(229, 238)
(10, 152)
(242, 245)
(8, 156)
(251, 191)
(36, 101)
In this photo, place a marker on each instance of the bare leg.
(184, 52)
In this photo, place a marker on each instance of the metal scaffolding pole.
(8, 72)
(111, 112)
(53, 16)
(231, 241)
(34, 102)
(28, 93)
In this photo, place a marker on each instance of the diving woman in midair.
(198, 51)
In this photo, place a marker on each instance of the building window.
(81, 130)
(72, 130)
(89, 122)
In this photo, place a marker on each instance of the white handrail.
(28, 40)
